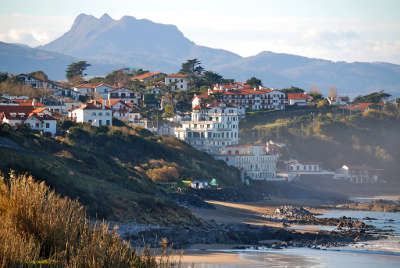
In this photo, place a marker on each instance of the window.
(37, 125)
(107, 122)
(100, 114)
(107, 113)
(93, 113)
(47, 125)
(100, 122)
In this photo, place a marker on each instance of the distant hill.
(139, 43)
(284, 70)
(18, 58)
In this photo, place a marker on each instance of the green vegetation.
(331, 136)
(12, 86)
(39, 228)
(254, 82)
(292, 89)
(374, 97)
(75, 70)
(112, 170)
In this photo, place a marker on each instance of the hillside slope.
(109, 169)
(331, 137)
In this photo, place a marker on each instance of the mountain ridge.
(141, 43)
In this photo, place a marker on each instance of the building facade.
(211, 128)
(94, 113)
(177, 82)
(253, 161)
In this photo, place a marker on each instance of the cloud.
(32, 38)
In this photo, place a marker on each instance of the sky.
(339, 30)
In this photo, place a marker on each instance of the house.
(338, 100)
(147, 77)
(296, 166)
(211, 127)
(92, 112)
(252, 99)
(298, 99)
(90, 88)
(125, 95)
(199, 184)
(177, 82)
(119, 109)
(253, 161)
(358, 174)
(37, 119)
(135, 118)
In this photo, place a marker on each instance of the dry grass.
(40, 228)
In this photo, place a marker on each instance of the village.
(209, 122)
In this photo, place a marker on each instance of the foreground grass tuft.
(39, 228)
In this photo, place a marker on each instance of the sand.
(248, 213)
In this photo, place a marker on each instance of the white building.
(296, 166)
(125, 95)
(120, 109)
(357, 174)
(93, 113)
(338, 100)
(211, 128)
(253, 161)
(252, 99)
(298, 99)
(177, 81)
(37, 119)
(91, 88)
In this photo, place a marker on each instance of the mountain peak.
(106, 18)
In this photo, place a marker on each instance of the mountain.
(132, 42)
(110, 44)
(18, 58)
(284, 70)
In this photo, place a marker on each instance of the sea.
(380, 253)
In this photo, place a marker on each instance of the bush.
(37, 225)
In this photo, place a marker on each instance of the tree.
(315, 94)
(3, 77)
(192, 66)
(292, 89)
(209, 78)
(139, 72)
(75, 70)
(254, 82)
(374, 97)
(118, 76)
(332, 92)
(168, 111)
(39, 75)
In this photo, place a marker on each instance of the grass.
(113, 170)
(39, 228)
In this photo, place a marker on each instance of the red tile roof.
(176, 76)
(298, 96)
(146, 75)
(29, 103)
(93, 85)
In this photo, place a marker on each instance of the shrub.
(36, 224)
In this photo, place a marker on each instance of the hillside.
(109, 169)
(331, 137)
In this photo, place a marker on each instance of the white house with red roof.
(39, 119)
(95, 113)
(253, 161)
(125, 95)
(99, 88)
(252, 99)
(177, 81)
(338, 100)
(211, 128)
(147, 77)
(119, 108)
(299, 99)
